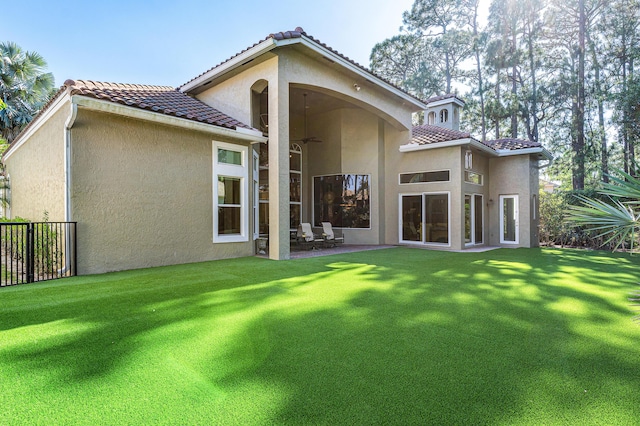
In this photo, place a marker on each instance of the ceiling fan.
(307, 138)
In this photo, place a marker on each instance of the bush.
(554, 227)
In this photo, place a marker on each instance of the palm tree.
(618, 220)
(4, 185)
(24, 88)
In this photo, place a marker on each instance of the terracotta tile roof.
(429, 134)
(512, 144)
(298, 33)
(161, 99)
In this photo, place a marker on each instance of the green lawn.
(394, 336)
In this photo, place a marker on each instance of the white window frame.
(424, 216)
(424, 211)
(237, 172)
(401, 217)
(424, 171)
(517, 218)
(473, 196)
(256, 194)
(466, 180)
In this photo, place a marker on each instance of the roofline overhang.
(246, 135)
(35, 125)
(243, 134)
(410, 147)
(271, 43)
(452, 99)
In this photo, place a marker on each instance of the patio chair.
(330, 238)
(306, 237)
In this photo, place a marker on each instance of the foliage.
(616, 219)
(25, 87)
(561, 72)
(47, 250)
(554, 227)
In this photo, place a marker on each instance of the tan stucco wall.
(36, 171)
(353, 137)
(513, 176)
(142, 195)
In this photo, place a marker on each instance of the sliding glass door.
(425, 218)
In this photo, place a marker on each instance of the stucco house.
(284, 132)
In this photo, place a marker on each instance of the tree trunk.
(604, 153)
(579, 146)
(514, 86)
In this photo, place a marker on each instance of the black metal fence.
(36, 251)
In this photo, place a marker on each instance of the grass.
(395, 336)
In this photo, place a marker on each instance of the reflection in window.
(228, 156)
(412, 218)
(422, 177)
(343, 200)
(437, 218)
(472, 177)
(229, 206)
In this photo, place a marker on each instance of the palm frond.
(615, 221)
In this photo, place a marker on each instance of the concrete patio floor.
(350, 248)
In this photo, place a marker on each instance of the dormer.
(444, 111)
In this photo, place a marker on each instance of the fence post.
(30, 253)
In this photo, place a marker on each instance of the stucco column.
(279, 171)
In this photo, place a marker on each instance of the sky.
(170, 42)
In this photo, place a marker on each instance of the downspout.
(67, 183)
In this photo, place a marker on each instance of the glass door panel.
(509, 218)
(436, 218)
(412, 218)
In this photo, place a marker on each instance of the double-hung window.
(230, 193)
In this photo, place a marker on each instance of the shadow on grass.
(392, 336)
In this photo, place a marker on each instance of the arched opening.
(431, 118)
(444, 115)
(260, 106)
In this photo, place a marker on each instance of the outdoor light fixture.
(356, 86)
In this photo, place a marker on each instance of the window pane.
(264, 155)
(264, 184)
(412, 218)
(342, 200)
(228, 220)
(295, 161)
(472, 177)
(422, 177)
(294, 212)
(228, 190)
(264, 218)
(437, 218)
(229, 157)
(295, 186)
(467, 218)
(509, 219)
(478, 218)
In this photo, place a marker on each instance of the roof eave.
(243, 134)
(361, 72)
(410, 147)
(525, 151)
(248, 55)
(271, 43)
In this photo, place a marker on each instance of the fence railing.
(36, 251)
